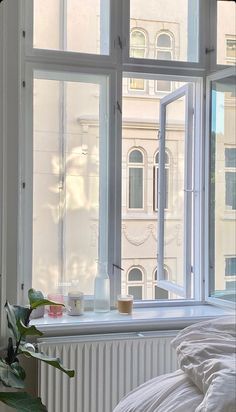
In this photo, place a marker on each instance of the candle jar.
(54, 310)
(75, 305)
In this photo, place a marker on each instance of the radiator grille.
(107, 368)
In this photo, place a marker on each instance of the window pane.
(136, 291)
(175, 248)
(160, 293)
(222, 181)
(226, 32)
(163, 55)
(69, 145)
(72, 25)
(135, 188)
(135, 275)
(179, 19)
(137, 38)
(230, 266)
(230, 190)
(136, 84)
(163, 86)
(230, 157)
(164, 40)
(136, 157)
(141, 123)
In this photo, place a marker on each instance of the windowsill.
(142, 319)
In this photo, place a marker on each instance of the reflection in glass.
(223, 189)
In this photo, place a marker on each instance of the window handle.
(117, 266)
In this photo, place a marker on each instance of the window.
(166, 184)
(222, 200)
(138, 49)
(81, 27)
(136, 177)
(165, 18)
(135, 283)
(230, 266)
(164, 48)
(86, 172)
(226, 32)
(230, 178)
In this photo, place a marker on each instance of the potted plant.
(12, 374)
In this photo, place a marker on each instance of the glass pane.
(135, 188)
(163, 86)
(230, 157)
(136, 157)
(180, 21)
(141, 123)
(72, 25)
(164, 55)
(164, 40)
(137, 38)
(160, 293)
(174, 234)
(136, 291)
(135, 275)
(223, 189)
(69, 144)
(136, 84)
(226, 32)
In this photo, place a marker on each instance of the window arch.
(135, 282)
(156, 177)
(136, 179)
(159, 293)
(138, 49)
(164, 51)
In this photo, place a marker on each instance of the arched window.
(156, 177)
(138, 48)
(135, 283)
(136, 176)
(159, 293)
(164, 51)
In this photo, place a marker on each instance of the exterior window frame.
(135, 282)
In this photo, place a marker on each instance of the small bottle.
(102, 289)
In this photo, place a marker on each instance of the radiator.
(107, 368)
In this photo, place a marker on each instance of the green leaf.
(27, 330)
(12, 375)
(49, 360)
(22, 402)
(36, 299)
(14, 314)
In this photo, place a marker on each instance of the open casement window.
(180, 101)
(221, 204)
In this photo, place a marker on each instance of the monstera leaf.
(12, 375)
(47, 359)
(22, 402)
(36, 299)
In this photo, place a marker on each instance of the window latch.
(209, 50)
(118, 107)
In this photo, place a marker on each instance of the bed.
(206, 380)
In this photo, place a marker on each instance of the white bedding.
(167, 393)
(206, 381)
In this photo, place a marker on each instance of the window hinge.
(120, 43)
(192, 271)
(209, 50)
(23, 185)
(23, 34)
(23, 84)
(118, 107)
(22, 286)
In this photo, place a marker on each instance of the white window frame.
(185, 291)
(116, 64)
(155, 194)
(209, 79)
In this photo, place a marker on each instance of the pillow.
(206, 353)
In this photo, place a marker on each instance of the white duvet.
(206, 381)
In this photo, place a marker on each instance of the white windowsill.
(142, 319)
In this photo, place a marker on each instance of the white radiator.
(107, 368)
